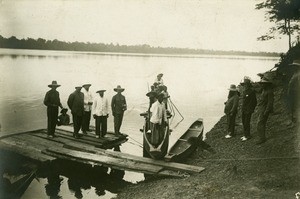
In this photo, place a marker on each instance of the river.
(198, 86)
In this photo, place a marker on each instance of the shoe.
(51, 136)
(228, 136)
(149, 131)
(244, 138)
(80, 132)
(97, 136)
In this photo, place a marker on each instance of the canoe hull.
(187, 143)
(157, 151)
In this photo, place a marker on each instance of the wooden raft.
(88, 150)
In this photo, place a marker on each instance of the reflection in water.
(81, 177)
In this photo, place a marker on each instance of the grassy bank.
(238, 169)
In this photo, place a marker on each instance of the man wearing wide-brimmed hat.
(294, 92)
(231, 107)
(249, 103)
(265, 107)
(52, 101)
(88, 101)
(100, 113)
(75, 103)
(118, 106)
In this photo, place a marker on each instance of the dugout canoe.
(186, 144)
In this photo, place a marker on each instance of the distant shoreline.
(145, 49)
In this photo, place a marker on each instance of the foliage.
(286, 16)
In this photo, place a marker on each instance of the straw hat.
(151, 94)
(86, 85)
(232, 87)
(53, 84)
(100, 91)
(119, 89)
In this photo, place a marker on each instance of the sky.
(201, 24)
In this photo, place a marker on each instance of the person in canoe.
(158, 81)
(158, 120)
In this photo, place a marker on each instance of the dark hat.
(78, 87)
(232, 87)
(295, 63)
(160, 95)
(64, 110)
(100, 91)
(151, 94)
(53, 84)
(160, 74)
(119, 88)
(247, 80)
(86, 85)
(265, 81)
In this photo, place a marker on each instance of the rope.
(135, 141)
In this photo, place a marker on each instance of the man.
(248, 105)
(118, 106)
(88, 101)
(63, 118)
(100, 113)
(75, 103)
(231, 107)
(52, 101)
(158, 81)
(294, 92)
(158, 119)
(265, 107)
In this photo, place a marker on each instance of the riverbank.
(238, 169)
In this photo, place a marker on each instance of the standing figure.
(265, 107)
(158, 81)
(75, 103)
(158, 120)
(294, 92)
(118, 106)
(248, 106)
(88, 101)
(231, 107)
(52, 101)
(100, 113)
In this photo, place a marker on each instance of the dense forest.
(42, 44)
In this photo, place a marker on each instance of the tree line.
(42, 44)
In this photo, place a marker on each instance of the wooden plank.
(19, 133)
(106, 160)
(26, 152)
(169, 165)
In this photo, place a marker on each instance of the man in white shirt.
(100, 113)
(88, 101)
(158, 119)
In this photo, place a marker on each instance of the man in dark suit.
(118, 106)
(52, 101)
(75, 103)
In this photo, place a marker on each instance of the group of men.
(83, 106)
(249, 103)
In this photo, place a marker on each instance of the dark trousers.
(118, 118)
(231, 123)
(246, 120)
(86, 121)
(77, 122)
(261, 125)
(52, 114)
(101, 125)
